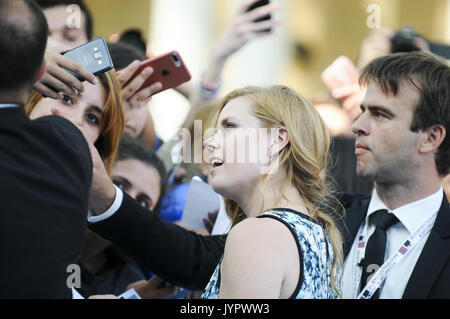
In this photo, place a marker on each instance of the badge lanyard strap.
(380, 275)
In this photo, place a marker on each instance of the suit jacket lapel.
(354, 217)
(433, 257)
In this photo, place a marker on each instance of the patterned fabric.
(316, 258)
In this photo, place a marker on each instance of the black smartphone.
(258, 4)
(93, 56)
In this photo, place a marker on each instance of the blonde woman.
(281, 245)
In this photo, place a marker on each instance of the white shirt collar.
(411, 215)
(8, 105)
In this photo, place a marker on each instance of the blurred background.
(312, 35)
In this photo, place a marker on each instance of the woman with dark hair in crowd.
(63, 37)
(98, 112)
(139, 171)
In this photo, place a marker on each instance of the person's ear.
(280, 139)
(433, 138)
(41, 72)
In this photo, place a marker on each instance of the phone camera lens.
(176, 59)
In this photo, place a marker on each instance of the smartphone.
(258, 4)
(440, 49)
(93, 56)
(168, 69)
(340, 73)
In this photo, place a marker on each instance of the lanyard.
(380, 275)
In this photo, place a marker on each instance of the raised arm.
(241, 30)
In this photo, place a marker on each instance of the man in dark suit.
(45, 169)
(402, 145)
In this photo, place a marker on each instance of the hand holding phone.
(257, 4)
(253, 20)
(168, 69)
(57, 79)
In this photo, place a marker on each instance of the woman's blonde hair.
(304, 159)
(113, 122)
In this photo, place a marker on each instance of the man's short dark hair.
(431, 76)
(23, 38)
(134, 38)
(44, 4)
(131, 148)
(123, 54)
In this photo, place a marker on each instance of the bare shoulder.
(254, 235)
(262, 253)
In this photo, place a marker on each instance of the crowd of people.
(88, 182)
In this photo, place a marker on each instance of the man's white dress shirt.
(411, 217)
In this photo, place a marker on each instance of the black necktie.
(376, 246)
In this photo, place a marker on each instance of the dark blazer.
(188, 260)
(46, 173)
(431, 275)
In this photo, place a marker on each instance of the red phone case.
(167, 70)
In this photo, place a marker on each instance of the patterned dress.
(316, 257)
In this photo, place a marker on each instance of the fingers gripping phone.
(93, 56)
(168, 69)
(256, 5)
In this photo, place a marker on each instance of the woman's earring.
(271, 154)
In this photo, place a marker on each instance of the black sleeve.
(173, 253)
(72, 147)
